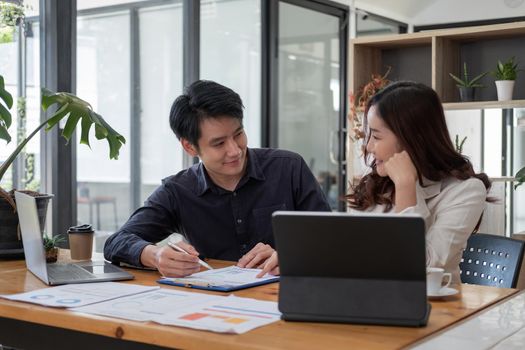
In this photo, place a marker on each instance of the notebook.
(226, 279)
(339, 267)
(55, 274)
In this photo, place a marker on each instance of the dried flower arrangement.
(359, 100)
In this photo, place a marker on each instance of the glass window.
(230, 54)
(480, 132)
(9, 70)
(492, 136)
(309, 86)
(103, 79)
(519, 162)
(485, 146)
(26, 107)
(465, 125)
(129, 67)
(31, 177)
(160, 84)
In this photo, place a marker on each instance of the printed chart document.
(224, 314)
(224, 280)
(72, 295)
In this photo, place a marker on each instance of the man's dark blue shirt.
(220, 224)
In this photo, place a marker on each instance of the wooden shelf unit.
(429, 57)
(484, 104)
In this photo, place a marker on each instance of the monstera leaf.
(68, 106)
(5, 115)
(520, 177)
(76, 109)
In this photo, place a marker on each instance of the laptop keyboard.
(60, 272)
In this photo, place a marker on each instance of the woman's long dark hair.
(413, 112)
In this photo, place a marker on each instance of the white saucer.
(443, 292)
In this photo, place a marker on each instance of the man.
(222, 205)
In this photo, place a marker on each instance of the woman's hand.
(403, 174)
(401, 170)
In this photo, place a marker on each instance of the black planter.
(466, 94)
(10, 245)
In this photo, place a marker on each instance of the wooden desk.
(501, 326)
(30, 326)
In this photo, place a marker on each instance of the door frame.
(270, 76)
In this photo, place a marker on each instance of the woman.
(415, 169)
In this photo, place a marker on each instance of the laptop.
(340, 267)
(56, 274)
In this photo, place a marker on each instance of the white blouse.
(451, 209)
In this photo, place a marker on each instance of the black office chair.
(491, 260)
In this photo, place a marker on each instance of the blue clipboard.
(208, 280)
(218, 288)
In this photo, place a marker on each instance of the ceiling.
(425, 12)
(412, 12)
(399, 9)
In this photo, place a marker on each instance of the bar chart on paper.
(76, 295)
(226, 318)
(224, 314)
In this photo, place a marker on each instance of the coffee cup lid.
(85, 228)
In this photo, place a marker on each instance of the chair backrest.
(491, 260)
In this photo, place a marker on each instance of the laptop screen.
(31, 235)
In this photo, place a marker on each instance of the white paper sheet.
(230, 276)
(194, 310)
(74, 295)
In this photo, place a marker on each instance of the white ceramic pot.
(505, 89)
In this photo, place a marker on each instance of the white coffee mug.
(435, 276)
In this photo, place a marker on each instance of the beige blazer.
(451, 209)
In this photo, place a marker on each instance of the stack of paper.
(200, 311)
(226, 279)
(225, 314)
(73, 295)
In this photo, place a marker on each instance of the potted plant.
(68, 107)
(10, 15)
(519, 177)
(51, 247)
(467, 87)
(73, 110)
(505, 75)
(459, 144)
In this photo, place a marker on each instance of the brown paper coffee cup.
(81, 242)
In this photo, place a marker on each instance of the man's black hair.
(203, 99)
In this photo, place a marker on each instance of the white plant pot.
(505, 89)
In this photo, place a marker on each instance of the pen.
(176, 247)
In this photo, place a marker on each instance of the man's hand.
(271, 266)
(170, 262)
(257, 256)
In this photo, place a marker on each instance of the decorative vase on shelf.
(505, 75)
(505, 88)
(467, 87)
(466, 94)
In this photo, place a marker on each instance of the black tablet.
(341, 267)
